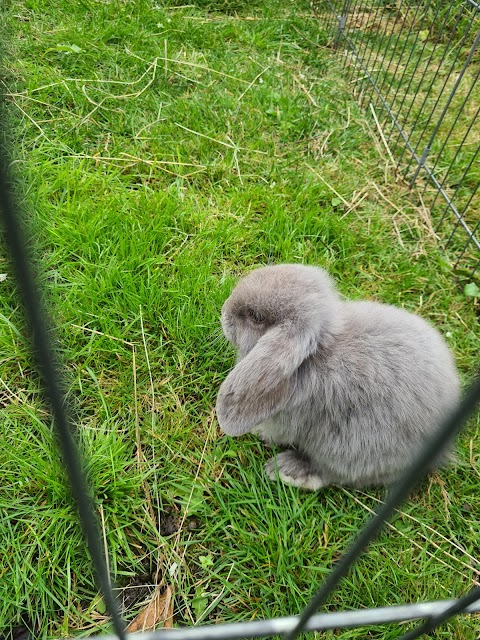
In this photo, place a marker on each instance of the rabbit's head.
(276, 318)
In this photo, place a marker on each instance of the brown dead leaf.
(159, 611)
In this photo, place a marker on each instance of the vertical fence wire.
(413, 50)
(406, 40)
(418, 63)
(375, 43)
(460, 223)
(416, 28)
(397, 30)
(427, 66)
(451, 70)
(363, 30)
(364, 25)
(382, 47)
(50, 370)
(460, 110)
(455, 158)
(445, 109)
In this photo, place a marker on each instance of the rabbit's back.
(396, 350)
(376, 395)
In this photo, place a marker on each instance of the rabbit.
(353, 389)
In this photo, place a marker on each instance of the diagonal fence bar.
(446, 433)
(436, 620)
(50, 370)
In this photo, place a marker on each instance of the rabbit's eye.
(256, 316)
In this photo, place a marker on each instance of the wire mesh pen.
(417, 65)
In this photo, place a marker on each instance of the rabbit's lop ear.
(261, 384)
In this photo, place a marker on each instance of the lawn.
(161, 151)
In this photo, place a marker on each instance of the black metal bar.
(394, 48)
(377, 40)
(462, 253)
(477, 266)
(381, 46)
(470, 164)
(364, 29)
(348, 11)
(400, 57)
(462, 219)
(403, 135)
(342, 21)
(375, 47)
(446, 433)
(50, 371)
(346, 34)
(406, 41)
(435, 621)
(331, 22)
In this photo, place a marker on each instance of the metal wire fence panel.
(416, 65)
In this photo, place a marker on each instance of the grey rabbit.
(352, 388)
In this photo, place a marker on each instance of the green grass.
(151, 185)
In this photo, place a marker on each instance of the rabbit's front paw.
(293, 469)
(263, 435)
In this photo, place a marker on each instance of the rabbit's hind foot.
(294, 469)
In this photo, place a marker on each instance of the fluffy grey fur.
(353, 388)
